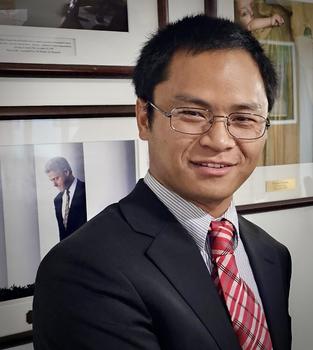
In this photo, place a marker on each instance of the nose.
(218, 137)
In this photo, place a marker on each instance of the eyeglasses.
(197, 121)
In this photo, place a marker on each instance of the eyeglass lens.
(197, 121)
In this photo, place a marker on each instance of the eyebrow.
(252, 106)
(193, 100)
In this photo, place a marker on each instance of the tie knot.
(221, 238)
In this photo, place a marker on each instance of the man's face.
(59, 179)
(205, 169)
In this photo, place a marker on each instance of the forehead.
(54, 174)
(213, 63)
(215, 76)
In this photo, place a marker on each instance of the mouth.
(212, 168)
(214, 165)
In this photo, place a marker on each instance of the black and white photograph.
(110, 15)
(47, 191)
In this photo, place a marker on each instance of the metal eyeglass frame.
(169, 115)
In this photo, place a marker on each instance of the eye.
(191, 114)
(244, 119)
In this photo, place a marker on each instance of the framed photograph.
(285, 174)
(100, 156)
(68, 38)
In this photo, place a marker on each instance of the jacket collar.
(177, 257)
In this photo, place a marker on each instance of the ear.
(142, 119)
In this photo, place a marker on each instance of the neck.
(216, 209)
(70, 181)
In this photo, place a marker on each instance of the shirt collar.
(72, 187)
(194, 219)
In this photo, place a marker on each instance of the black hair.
(197, 34)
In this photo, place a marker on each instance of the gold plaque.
(280, 185)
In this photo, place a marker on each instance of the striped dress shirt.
(197, 222)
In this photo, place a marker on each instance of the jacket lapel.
(178, 258)
(267, 274)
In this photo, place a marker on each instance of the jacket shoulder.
(249, 228)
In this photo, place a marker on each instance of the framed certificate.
(65, 39)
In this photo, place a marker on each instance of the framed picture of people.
(55, 175)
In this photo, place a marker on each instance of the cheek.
(168, 153)
(252, 152)
(178, 150)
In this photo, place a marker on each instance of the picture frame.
(282, 54)
(41, 132)
(76, 54)
(286, 181)
(276, 187)
(77, 69)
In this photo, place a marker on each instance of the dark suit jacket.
(77, 215)
(132, 278)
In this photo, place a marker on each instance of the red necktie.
(246, 313)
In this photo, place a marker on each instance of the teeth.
(213, 165)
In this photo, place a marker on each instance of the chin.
(214, 196)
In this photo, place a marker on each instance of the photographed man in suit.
(172, 265)
(70, 203)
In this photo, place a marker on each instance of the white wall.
(179, 8)
(294, 228)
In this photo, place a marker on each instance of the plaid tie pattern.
(246, 313)
(67, 208)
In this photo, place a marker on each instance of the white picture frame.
(97, 135)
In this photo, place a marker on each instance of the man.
(70, 203)
(150, 272)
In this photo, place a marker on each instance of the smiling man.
(172, 265)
